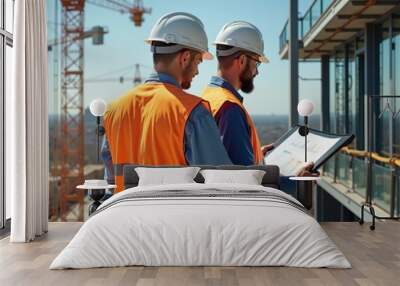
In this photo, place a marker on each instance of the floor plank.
(374, 255)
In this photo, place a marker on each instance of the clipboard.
(288, 152)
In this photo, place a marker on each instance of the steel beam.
(293, 62)
(325, 82)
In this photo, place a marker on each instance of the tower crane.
(71, 137)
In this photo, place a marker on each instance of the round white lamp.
(98, 108)
(305, 108)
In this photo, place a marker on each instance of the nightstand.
(97, 192)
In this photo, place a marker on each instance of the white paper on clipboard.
(289, 154)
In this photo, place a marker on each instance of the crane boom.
(118, 6)
(136, 9)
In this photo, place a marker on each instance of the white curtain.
(27, 124)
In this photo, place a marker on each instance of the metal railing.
(349, 168)
(311, 16)
(393, 161)
(284, 35)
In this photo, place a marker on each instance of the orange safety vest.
(217, 96)
(146, 126)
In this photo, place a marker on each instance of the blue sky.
(124, 46)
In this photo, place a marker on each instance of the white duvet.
(188, 231)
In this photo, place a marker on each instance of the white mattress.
(189, 231)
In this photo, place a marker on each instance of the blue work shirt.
(233, 126)
(235, 132)
(203, 144)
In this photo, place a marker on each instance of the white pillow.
(165, 176)
(248, 177)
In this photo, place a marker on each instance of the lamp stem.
(305, 142)
(98, 138)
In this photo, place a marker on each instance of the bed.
(201, 224)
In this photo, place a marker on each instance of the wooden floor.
(375, 257)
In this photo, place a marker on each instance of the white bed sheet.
(200, 231)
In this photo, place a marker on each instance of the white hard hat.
(242, 36)
(182, 29)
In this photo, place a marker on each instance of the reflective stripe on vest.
(146, 126)
(217, 96)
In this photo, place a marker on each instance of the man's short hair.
(168, 58)
(226, 61)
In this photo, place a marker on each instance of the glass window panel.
(300, 26)
(396, 77)
(9, 64)
(381, 183)
(310, 89)
(385, 89)
(343, 175)
(351, 81)
(384, 132)
(329, 168)
(384, 54)
(325, 4)
(359, 176)
(9, 9)
(339, 101)
(355, 94)
(315, 12)
(283, 38)
(306, 23)
(396, 52)
(332, 91)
